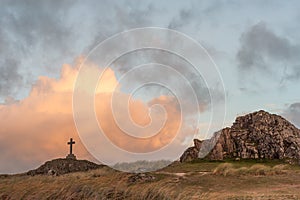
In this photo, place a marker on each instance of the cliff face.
(255, 135)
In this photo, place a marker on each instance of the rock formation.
(192, 152)
(258, 135)
(62, 166)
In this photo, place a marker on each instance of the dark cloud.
(33, 36)
(267, 60)
(41, 36)
(117, 18)
(182, 19)
(262, 49)
(9, 77)
(197, 13)
(292, 113)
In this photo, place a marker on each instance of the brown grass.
(228, 169)
(203, 181)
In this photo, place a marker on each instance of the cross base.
(71, 156)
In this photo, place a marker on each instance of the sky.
(254, 44)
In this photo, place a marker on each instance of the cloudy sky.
(255, 44)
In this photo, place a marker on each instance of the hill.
(258, 135)
(63, 166)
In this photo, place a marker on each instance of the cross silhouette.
(71, 143)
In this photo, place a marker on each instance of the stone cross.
(71, 143)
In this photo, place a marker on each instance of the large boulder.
(258, 135)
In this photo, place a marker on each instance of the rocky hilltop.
(258, 135)
(63, 166)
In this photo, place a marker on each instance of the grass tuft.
(228, 169)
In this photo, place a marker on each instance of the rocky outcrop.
(192, 152)
(63, 166)
(258, 135)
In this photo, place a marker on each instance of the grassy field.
(196, 180)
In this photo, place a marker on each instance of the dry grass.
(203, 181)
(228, 169)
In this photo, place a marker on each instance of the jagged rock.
(62, 166)
(256, 135)
(192, 152)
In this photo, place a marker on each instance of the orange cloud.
(37, 128)
(160, 133)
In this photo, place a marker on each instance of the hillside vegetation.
(200, 179)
